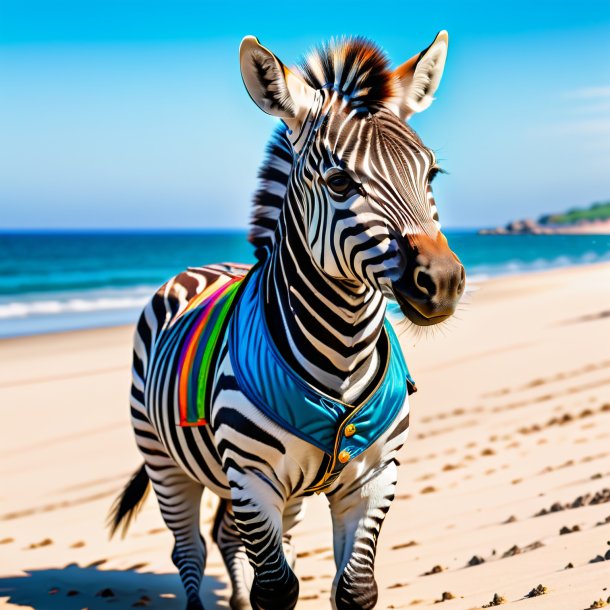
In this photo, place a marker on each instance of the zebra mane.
(358, 70)
(273, 178)
(354, 67)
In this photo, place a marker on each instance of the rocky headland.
(592, 220)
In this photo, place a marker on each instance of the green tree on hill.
(597, 211)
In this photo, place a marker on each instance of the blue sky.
(128, 113)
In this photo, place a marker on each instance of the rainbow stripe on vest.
(206, 316)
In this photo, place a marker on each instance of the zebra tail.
(129, 502)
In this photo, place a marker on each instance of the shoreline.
(532, 227)
(471, 286)
(567, 269)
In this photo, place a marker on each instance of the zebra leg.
(233, 551)
(358, 513)
(258, 509)
(293, 515)
(226, 535)
(179, 499)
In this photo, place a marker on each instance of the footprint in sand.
(404, 545)
(435, 570)
(39, 545)
(589, 499)
(313, 552)
(517, 550)
(568, 530)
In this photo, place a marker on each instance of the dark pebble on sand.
(536, 591)
(514, 550)
(496, 601)
(596, 559)
(475, 560)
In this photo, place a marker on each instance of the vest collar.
(341, 430)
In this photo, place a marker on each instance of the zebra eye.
(340, 183)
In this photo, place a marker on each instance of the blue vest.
(340, 430)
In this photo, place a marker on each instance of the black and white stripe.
(330, 254)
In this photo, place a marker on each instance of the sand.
(512, 419)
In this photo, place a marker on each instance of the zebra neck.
(326, 330)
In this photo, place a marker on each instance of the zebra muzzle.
(432, 281)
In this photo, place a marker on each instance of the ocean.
(69, 280)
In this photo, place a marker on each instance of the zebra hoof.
(194, 604)
(281, 597)
(356, 594)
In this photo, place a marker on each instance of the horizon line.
(237, 230)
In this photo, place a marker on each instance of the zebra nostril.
(423, 281)
(462, 283)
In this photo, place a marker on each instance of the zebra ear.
(419, 77)
(271, 85)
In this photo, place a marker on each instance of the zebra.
(343, 222)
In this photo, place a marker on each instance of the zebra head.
(354, 173)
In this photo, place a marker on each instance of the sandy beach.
(504, 483)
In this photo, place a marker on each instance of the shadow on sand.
(75, 588)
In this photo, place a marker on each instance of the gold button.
(344, 456)
(350, 430)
